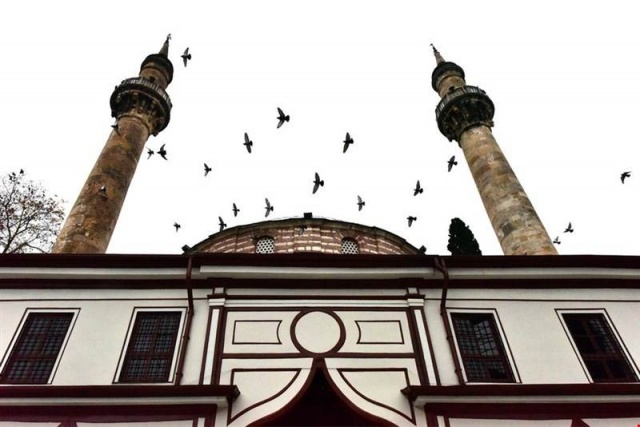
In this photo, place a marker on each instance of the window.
(598, 347)
(480, 347)
(350, 246)
(265, 245)
(151, 347)
(36, 351)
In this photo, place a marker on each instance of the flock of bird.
(248, 143)
(317, 182)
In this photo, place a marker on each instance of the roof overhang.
(528, 401)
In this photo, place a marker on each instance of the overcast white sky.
(561, 74)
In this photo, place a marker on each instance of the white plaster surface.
(394, 322)
(382, 387)
(259, 386)
(284, 317)
(256, 331)
(317, 332)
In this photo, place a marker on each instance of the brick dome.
(305, 235)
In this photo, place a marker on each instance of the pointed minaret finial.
(165, 47)
(439, 58)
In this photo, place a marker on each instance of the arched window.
(350, 246)
(265, 245)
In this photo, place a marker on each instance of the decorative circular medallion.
(317, 332)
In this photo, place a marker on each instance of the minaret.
(465, 114)
(141, 107)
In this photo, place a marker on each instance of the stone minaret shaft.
(141, 107)
(465, 114)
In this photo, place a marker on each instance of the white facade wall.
(96, 343)
(540, 347)
(535, 336)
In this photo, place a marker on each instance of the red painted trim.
(119, 391)
(106, 414)
(411, 419)
(314, 260)
(432, 420)
(303, 351)
(531, 410)
(487, 390)
(490, 283)
(219, 346)
(430, 344)
(206, 346)
(296, 372)
(535, 411)
(359, 341)
(319, 364)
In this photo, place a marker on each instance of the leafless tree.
(29, 217)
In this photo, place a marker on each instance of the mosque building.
(309, 321)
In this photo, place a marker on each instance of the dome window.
(265, 245)
(350, 246)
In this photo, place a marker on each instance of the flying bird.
(624, 176)
(247, 142)
(556, 240)
(411, 219)
(452, 162)
(150, 153)
(163, 152)
(317, 183)
(207, 169)
(348, 140)
(269, 208)
(568, 229)
(361, 203)
(418, 189)
(235, 210)
(221, 223)
(281, 118)
(186, 56)
(177, 226)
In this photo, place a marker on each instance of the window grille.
(483, 355)
(36, 351)
(350, 246)
(151, 347)
(598, 347)
(265, 245)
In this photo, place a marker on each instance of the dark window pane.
(483, 354)
(35, 353)
(598, 347)
(151, 347)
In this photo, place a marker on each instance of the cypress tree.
(461, 239)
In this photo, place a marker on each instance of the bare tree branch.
(29, 217)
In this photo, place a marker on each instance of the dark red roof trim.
(119, 391)
(529, 410)
(323, 283)
(314, 260)
(107, 413)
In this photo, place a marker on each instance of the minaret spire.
(165, 46)
(439, 58)
(465, 114)
(141, 107)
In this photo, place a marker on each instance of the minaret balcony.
(463, 108)
(138, 94)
